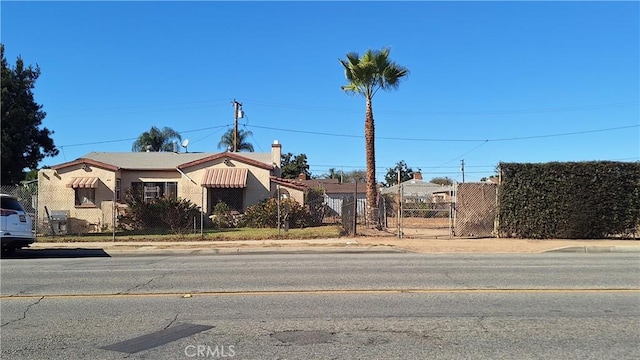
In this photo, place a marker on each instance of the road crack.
(24, 313)
(172, 321)
(139, 286)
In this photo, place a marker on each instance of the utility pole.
(462, 168)
(237, 114)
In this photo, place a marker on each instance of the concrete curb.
(327, 246)
(288, 246)
(256, 251)
(596, 249)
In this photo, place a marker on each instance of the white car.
(15, 225)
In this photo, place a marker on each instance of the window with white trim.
(156, 190)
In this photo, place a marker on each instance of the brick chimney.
(417, 175)
(302, 176)
(276, 157)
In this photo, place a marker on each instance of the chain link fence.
(476, 209)
(461, 210)
(457, 210)
(342, 204)
(420, 212)
(27, 195)
(352, 213)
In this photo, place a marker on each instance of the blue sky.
(488, 82)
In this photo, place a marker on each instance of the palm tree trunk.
(372, 190)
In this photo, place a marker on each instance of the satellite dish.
(149, 148)
(185, 143)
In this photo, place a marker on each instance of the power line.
(164, 105)
(130, 139)
(384, 138)
(306, 132)
(463, 154)
(565, 134)
(450, 140)
(450, 113)
(221, 102)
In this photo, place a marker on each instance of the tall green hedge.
(569, 200)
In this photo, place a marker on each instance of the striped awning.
(225, 178)
(83, 182)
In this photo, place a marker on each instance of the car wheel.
(8, 250)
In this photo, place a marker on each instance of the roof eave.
(294, 184)
(231, 155)
(82, 161)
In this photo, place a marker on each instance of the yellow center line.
(321, 292)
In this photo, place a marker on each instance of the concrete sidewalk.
(357, 244)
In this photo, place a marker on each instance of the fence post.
(453, 201)
(401, 212)
(113, 208)
(355, 208)
(278, 195)
(496, 222)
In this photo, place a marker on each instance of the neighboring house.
(420, 190)
(91, 189)
(335, 193)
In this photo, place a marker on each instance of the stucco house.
(420, 190)
(90, 190)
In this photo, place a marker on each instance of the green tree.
(492, 178)
(442, 181)
(292, 166)
(365, 76)
(24, 143)
(406, 173)
(226, 141)
(345, 177)
(359, 176)
(332, 174)
(156, 139)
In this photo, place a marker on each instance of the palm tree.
(226, 141)
(156, 140)
(366, 75)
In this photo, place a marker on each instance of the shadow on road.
(55, 253)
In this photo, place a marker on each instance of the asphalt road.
(331, 306)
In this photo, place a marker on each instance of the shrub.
(592, 199)
(175, 215)
(265, 214)
(222, 217)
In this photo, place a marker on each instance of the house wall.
(258, 180)
(295, 194)
(54, 194)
